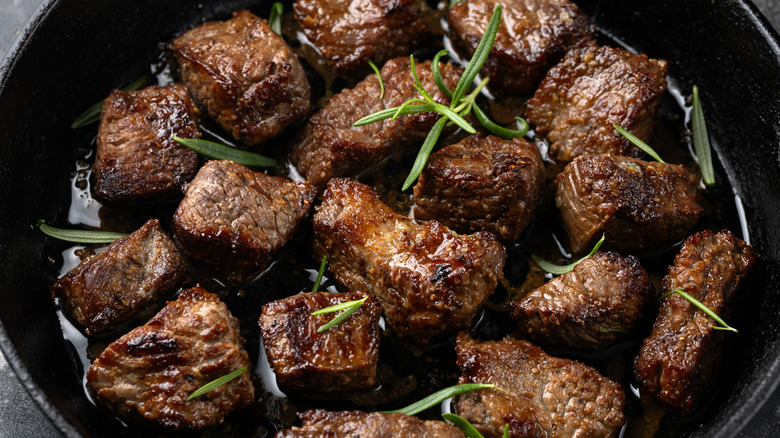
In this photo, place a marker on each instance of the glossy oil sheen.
(720, 46)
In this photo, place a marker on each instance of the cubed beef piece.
(127, 282)
(137, 157)
(232, 220)
(591, 307)
(533, 35)
(330, 146)
(349, 33)
(482, 183)
(678, 362)
(639, 205)
(429, 281)
(245, 75)
(589, 91)
(149, 373)
(539, 396)
(342, 359)
(321, 423)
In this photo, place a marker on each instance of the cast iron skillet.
(73, 51)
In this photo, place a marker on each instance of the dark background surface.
(20, 416)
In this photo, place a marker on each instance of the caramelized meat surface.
(543, 396)
(233, 220)
(330, 146)
(678, 362)
(349, 33)
(589, 307)
(589, 91)
(533, 35)
(342, 359)
(639, 205)
(149, 372)
(429, 281)
(126, 282)
(245, 75)
(322, 423)
(137, 157)
(482, 183)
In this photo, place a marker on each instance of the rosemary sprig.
(320, 274)
(439, 396)
(701, 140)
(703, 308)
(92, 114)
(78, 236)
(461, 423)
(216, 383)
(349, 307)
(379, 77)
(639, 143)
(461, 104)
(275, 17)
(222, 152)
(560, 270)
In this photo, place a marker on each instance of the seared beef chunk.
(534, 35)
(429, 280)
(233, 220)
(589, 91)
(342, 359)
(126, 282)
(641, 206)
(137, 157)
(321, 423)
(482, 183)
(149, 372)
(678, 362)
(542, 396)
(245, 75)
(589, 307)
(349, 33)
(330, 146)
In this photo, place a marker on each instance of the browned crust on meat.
(127, 281)
(149, 373)
(322, 423)
(590, 90)
(330, 146)
(638, 205)
(482, 183)
(539, 396)
(245, 75)
(342, 359)
(137, 157)
(429, 281)
(679, 361)
(591, 307)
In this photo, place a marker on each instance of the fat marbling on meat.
(429, 280)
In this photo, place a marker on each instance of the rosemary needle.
(560, 270)
(216, 383)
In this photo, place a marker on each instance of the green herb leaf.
(479, 57)
(506, 430)
(349, 308)
(703, 308)
(78, 236)
(222, 152)
(437, 74)
(275, 18)
(379, 77)
(438, 397)
(499, 130)
(92, 114)
(455, 118)
(319, 274)
(701, 140)
(391, 113)
(639, 143)
(560, 270)
(216, 383)
(467, 428)
(425, 152)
